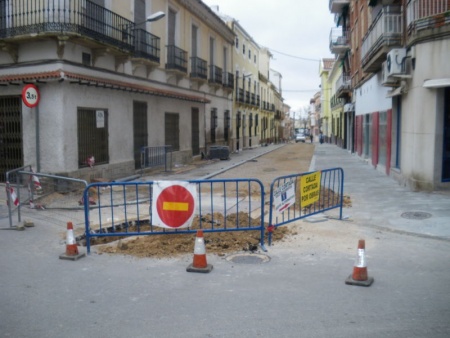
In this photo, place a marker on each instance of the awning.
(436, 83)
(394, 92)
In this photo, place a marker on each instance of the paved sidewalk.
(379, 201)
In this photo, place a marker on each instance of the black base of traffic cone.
(351, 281)
(192, 268)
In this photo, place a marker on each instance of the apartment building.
(112, 78)
(258, 101)
(400, 80)
(325, 67)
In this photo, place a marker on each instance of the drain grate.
(416, 215)
(268, 170)
(248, 258)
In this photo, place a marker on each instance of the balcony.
(146, 46)
(343, 86)
(384, 34)
(336, 6)
(339, 42)
(198, 69)
(83, 21)
(228, 80)
(215, 75)
(427, 22)
(279, 115)
(240, 95)
(176, 59)
(247, 97)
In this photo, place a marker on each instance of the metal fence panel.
(330, 196)
(125, 208)
(51, 195)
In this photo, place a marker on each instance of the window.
(237, 42)
(249, 54)
(92, 131)
(172, 130)
(254, 58)
(243, 49)
(86, 59)
(213, 124)
(227, 124)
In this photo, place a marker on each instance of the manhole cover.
(269, 170)
(416, 215)
(248, 258)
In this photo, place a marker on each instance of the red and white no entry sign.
(30, 95)
(174, 204)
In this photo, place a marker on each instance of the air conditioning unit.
(395, 61)
(386, 79)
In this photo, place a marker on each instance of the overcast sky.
(298, 28)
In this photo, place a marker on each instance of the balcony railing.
(386, 30)
(20, 18)
(176, 59)
(198, 68)
(240, 95)
(339, 42)
(215, 75)
(423, 14)
(343, 84)
(247, 97)
(228, 80)
(146, 45)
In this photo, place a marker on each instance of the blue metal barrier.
(297, 196)
(125, 208)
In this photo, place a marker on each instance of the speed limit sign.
(30, 95)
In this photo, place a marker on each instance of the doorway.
(11, 144)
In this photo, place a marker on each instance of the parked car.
(300, 137)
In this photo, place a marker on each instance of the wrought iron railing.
(198, 68)
(247, 97)
(228, 80)
(176, 59)
(241, 95)
(146, 45)
(386, 29)
(76, 17)
(215, 74)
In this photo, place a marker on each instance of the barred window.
(92, 136)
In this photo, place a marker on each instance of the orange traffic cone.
(71, 246)
(199, 264)
(360, 276)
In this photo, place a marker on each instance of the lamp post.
(128, 32)
(153, 17)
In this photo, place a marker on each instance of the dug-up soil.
(289, 159)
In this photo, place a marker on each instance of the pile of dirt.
(287, 160)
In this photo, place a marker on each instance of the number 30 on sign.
(30, 95)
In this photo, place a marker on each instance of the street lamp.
(128, 29)
(153, 17)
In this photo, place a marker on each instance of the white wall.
(371, 97)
